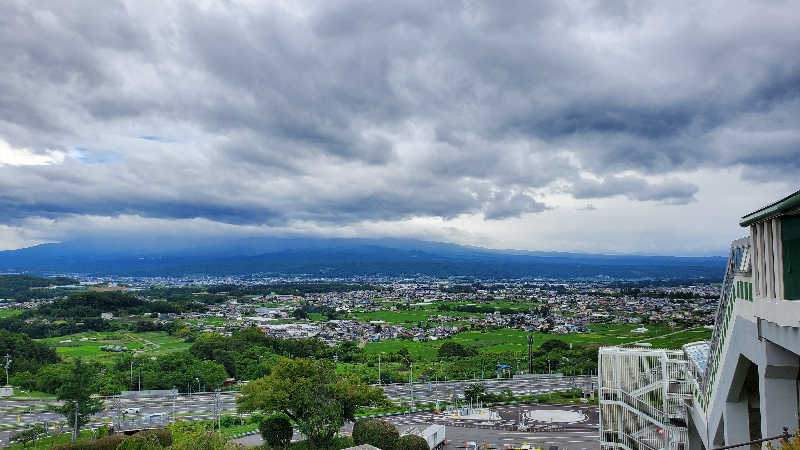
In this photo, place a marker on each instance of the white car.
(131, 411)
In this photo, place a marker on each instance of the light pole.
(8, 366)
(379, 369)
(411, 379)
(198, 383)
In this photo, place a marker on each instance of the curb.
(241, 435)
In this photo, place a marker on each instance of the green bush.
(276, 430)
(141, 441)
(77, 445)
(162, 435)
(230, 421)
(411, 442)
(110, 442)
(375, 432)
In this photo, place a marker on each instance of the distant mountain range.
(153, 256)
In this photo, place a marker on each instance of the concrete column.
(777, 379)
(777, 254)
(762, 286)
(695, 441)
(762, 279)
(737, 426)
(768, 260)
(754, 255)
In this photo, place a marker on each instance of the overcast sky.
(621, 127)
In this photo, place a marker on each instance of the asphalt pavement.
(158, 411)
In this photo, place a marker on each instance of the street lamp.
(8, 365)
(379, 368)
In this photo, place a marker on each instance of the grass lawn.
(676, 340)
(509, 340)
(51, 441)
(151, 342)
(33, 395)
(9, 312)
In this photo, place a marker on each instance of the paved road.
(428, 392)
(576, 435)
(200, 406)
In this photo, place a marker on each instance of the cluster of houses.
(570, 307)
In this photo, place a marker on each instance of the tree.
(474, 392)
(411, 442)
(378, 433)
(190, 436)
(312, 395)
(454, 349)
(300, 313)
(30, 435)
(78, 405)
(552, 344)
(276, 430)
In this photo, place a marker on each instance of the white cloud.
(10, 156)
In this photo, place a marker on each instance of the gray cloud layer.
(340, 112)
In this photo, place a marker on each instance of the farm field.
(508, 340)
(9, 312)
(151, 342)
(212, 321)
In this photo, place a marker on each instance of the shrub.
(276, 430)
(411, 442)
(110, 442)
(229, 421)
(793, 443)
(162, 435)
(375, 432)
(77, 445)
(141, 441)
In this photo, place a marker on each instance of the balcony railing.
(738, 263)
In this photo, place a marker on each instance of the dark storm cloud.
(670, 191)
(359, 111)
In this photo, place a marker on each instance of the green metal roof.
(788, 203)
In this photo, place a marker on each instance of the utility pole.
(411, 379)
(117, 408)
(8, 366)
(530, 353)
(379, 369)
(75, 428)
(217, 410)
(131, 385)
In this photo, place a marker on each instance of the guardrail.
(738, 262)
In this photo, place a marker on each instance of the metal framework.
(643, 397)
(644, 394)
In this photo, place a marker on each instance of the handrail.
(722, 319)
(785, 435)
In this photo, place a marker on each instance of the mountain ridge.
(151, 256)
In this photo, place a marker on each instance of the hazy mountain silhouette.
(153, 256)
